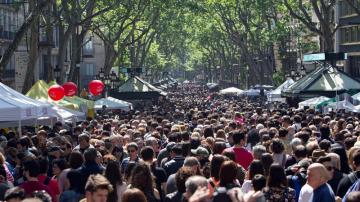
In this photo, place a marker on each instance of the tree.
(323, 10)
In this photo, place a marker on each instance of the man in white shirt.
(306, 193)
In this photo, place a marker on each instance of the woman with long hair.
(142, 179)
(277, 189)
(256, 167)
(112, 173)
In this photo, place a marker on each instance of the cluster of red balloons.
(57, 92)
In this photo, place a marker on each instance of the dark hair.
(133, 195)
(267, 160)
(44, 165)
(230, 154)
(256, 167)
(277, 146)
(112, 173)
(3, 172)
(208, 132)
(142, 179)
(283, 132)
(14, 193)
(95, 182)
(228, 173)
(325, 144)
(33, 167)
(325, 131)
(128, 170)
(219, 147)
(147, 153)
(76, 159)
(349, 142)
(181, 176)
(24, 141)
(277, 177)
(177, 149)
(132, 144)
(238, 136)
(323, 159)
(300, 151)
(185, 136)
(61, 163)
(215, 165)
(258, 182)
(42, 195)
(90, 155)
(345, 168)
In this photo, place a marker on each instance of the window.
(346, 9)
(89, 69)
(350, 34)
(88, 47)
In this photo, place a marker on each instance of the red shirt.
(243, 156)
(31, 186)
(53, 184)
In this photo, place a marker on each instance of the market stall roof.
(231, 90)
(136, 84)
(326, 80)
(313, 102)
(275, 95)
(113, 103)
(39, 91)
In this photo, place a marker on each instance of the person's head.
(326, 161)
(44, 164)
(141, 177)
(258, 182)
(153, 142)
(258, 151)
(193, 163)
(112, 173)
(84, 140)
(133, 195)
(147, 154)
(15, 194)
(353, 196)
(256, 167)
(58, 165)
(239, 138)
(219, 147)
(356, 160)
(228, 173)
(97, 188)
(300, 152)
(215, 165)
(317, 175)
(76, 159)
(181, 176)
(31, 169)
(177, 150)
(132, 149)
(90, 155)
(277, 147)
(277, 177)
(193, 183)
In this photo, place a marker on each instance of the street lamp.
(57, 73)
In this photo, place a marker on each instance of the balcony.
(88, 53)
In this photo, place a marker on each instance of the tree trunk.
(110, 57)
(33, 55)
(49, 42)
(64, 41)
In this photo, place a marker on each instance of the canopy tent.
(251, 92)
(275, 95)
(324, 81)
(345, 104)
(313, 102)
(137, 89)
(68, 115)
(231, 90)
(113, 103)
(85, 105)
(39, 91)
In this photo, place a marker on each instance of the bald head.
(317, 175)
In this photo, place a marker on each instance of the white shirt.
(306, 193)
(247, 186)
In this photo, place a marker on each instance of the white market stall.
(275, 95)
(313, 102)
(231, 90)
(112, 103)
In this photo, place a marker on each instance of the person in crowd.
(180, 178)
(193, 183)
(73, 192)
(133, 195)
(15, 194)
(113, 174)
(277, 187)
(243, 156)
(75, 160)
(255, 168)
(177, 160)
(317, 177)
(97, 189)
(84, 143)
(351, 178)
(132, 149)
(46, 180)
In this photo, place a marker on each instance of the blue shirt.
(324, 194)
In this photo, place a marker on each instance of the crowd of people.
(194, 146)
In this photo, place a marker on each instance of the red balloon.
(96, 87)
(56, 92)
(70, 88)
